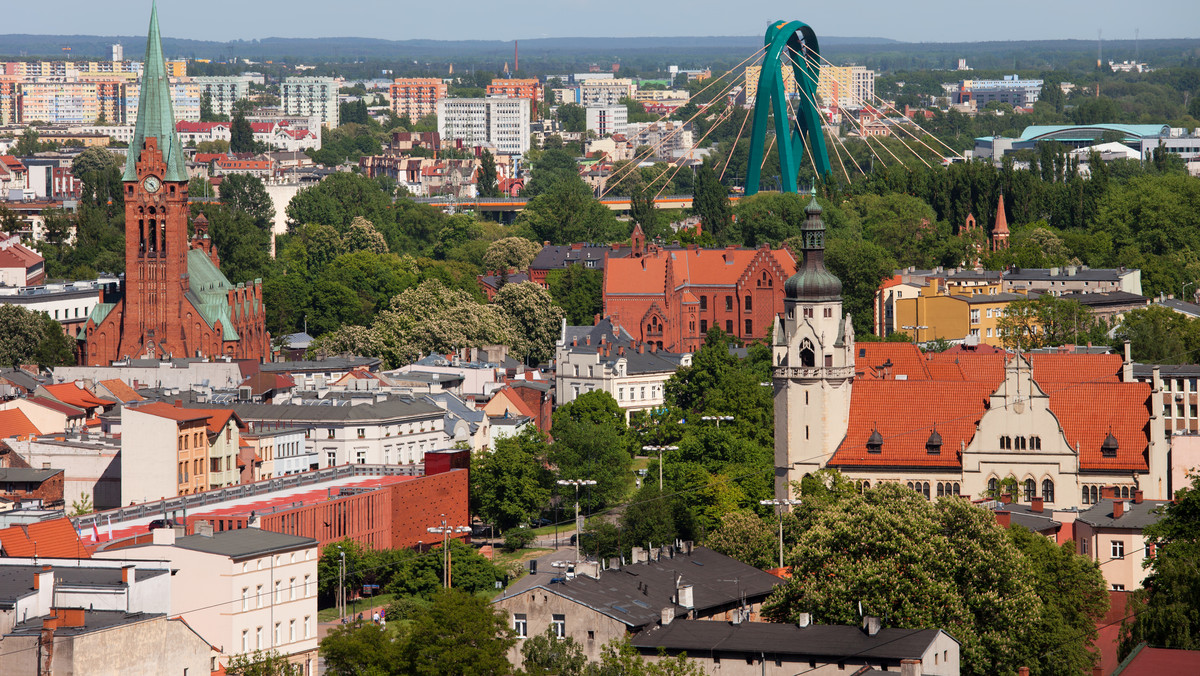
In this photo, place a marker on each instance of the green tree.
(486, 181)
(1166, 610)
(82, 506)
(28, 337)
(247, 194)
(551, 166)
(338, 199)
(243, 247)
(710, 201)
(746, 537)
(207, 114)
(511, 484)
(363, 648)
(1074, 598)
(241, 134)
(94, 159)
(362, 236)
(590, 443)
(461, 635)
(915, 564)
(262, 663)
(515, 253)
(535, 318)
(577, 290)
(548, 654)
(573, 117)
(861, 266)
(568, 212)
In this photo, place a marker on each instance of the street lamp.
(718, 418)
(1183, 290)
(780, 503)
(578, 525)
(660, 450)
(445, 531)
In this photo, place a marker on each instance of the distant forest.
(359, 58)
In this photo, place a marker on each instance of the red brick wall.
(50, 491)
(418, 505)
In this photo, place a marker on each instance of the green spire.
(155, 117)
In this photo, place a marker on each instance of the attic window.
(934, 445)
(1108, 449)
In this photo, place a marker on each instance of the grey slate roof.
(557, 257)
(244, 543)
(1166, 371)
(391, 408)
(26, 475)
(1182, 307)
(93, 620)
(605, 328)
(22, 379)
(322, 366)
(827, 641)
(1136, 517)
(1103, 299)
(997, 298)
(637, 593)
(1082, 273)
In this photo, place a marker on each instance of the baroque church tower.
(174, 301)
(813, 355)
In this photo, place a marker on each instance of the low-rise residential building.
(596, 606)
(20, 266)
(605, 357)
(776, 649)
(19, 484)
(264, 585)
(1110, 533)
(169, 450)
(279, 452)
(91, 464)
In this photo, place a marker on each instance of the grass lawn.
(504, 558)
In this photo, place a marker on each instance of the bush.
(518, 538)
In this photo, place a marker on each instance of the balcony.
(813, 372)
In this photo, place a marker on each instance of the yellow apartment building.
(955, 312)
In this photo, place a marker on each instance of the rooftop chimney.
(685, 598)
(1023, 671)
(203, 528)
(1138, 496)
(668, 615)
(1036, 504)
(910, 667)
(805, 620)
(1004, 518)
(1006, 498)
(1118, 508)
(870, 624)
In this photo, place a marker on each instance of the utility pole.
(660, 450)
(445, 531)
(578, 523)
(780, 503)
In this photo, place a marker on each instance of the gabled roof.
(73, 393)
(124, 393)
(58, 407)
(14, 423)
(165, 410)
(155, 116)
(56, 538)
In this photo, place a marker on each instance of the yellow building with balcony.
(955, 312)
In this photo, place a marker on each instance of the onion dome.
(813, 282)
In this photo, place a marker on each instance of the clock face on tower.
(151, 184)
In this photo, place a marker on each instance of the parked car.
(165, 523)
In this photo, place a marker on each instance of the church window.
(992, 487)
(728, 303)
(703, 326)
(924, 489)
(957, 490)
(1125, 492)
(941, 490)
(1095, 495)
(1030, 489)
(729, 326)
(1048, 490)
(749, 327)
(703, 302)
(748, 304)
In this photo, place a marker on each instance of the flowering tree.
(537, 319)
(510, 252)
(362, 236)
(431, 318)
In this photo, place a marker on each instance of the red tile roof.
(73, 393)
(198, 127)
(955, 408)
(1158, 661)
(121, 391)
(220, 417)
(952, 389)
(14, 423)
(55, 538)
(58, 407)
(208, 158)
(718, 267)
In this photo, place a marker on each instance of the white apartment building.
(224, 91)
(670, 137)
(606, 91)
(607, 120)
(242, 590)
(500, 122)
(311, 96)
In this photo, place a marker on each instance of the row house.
(205, 456)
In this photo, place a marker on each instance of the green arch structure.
(772, 98)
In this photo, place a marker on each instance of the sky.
(919, 21)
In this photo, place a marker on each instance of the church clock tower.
(813, 356)
(174, 302)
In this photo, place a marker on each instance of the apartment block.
(502, 123)
(224, 91)
(849, 87)
(607, 120)
(606, 91)
(310, 96)
(417, 96)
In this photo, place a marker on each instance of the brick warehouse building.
(175, 300)
(671, 297)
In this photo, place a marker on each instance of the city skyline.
(934, 21)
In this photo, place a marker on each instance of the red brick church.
(671, 297)
(174, 302)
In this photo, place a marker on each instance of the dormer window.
(934, 445)
(1108, 449)
(875, 442)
